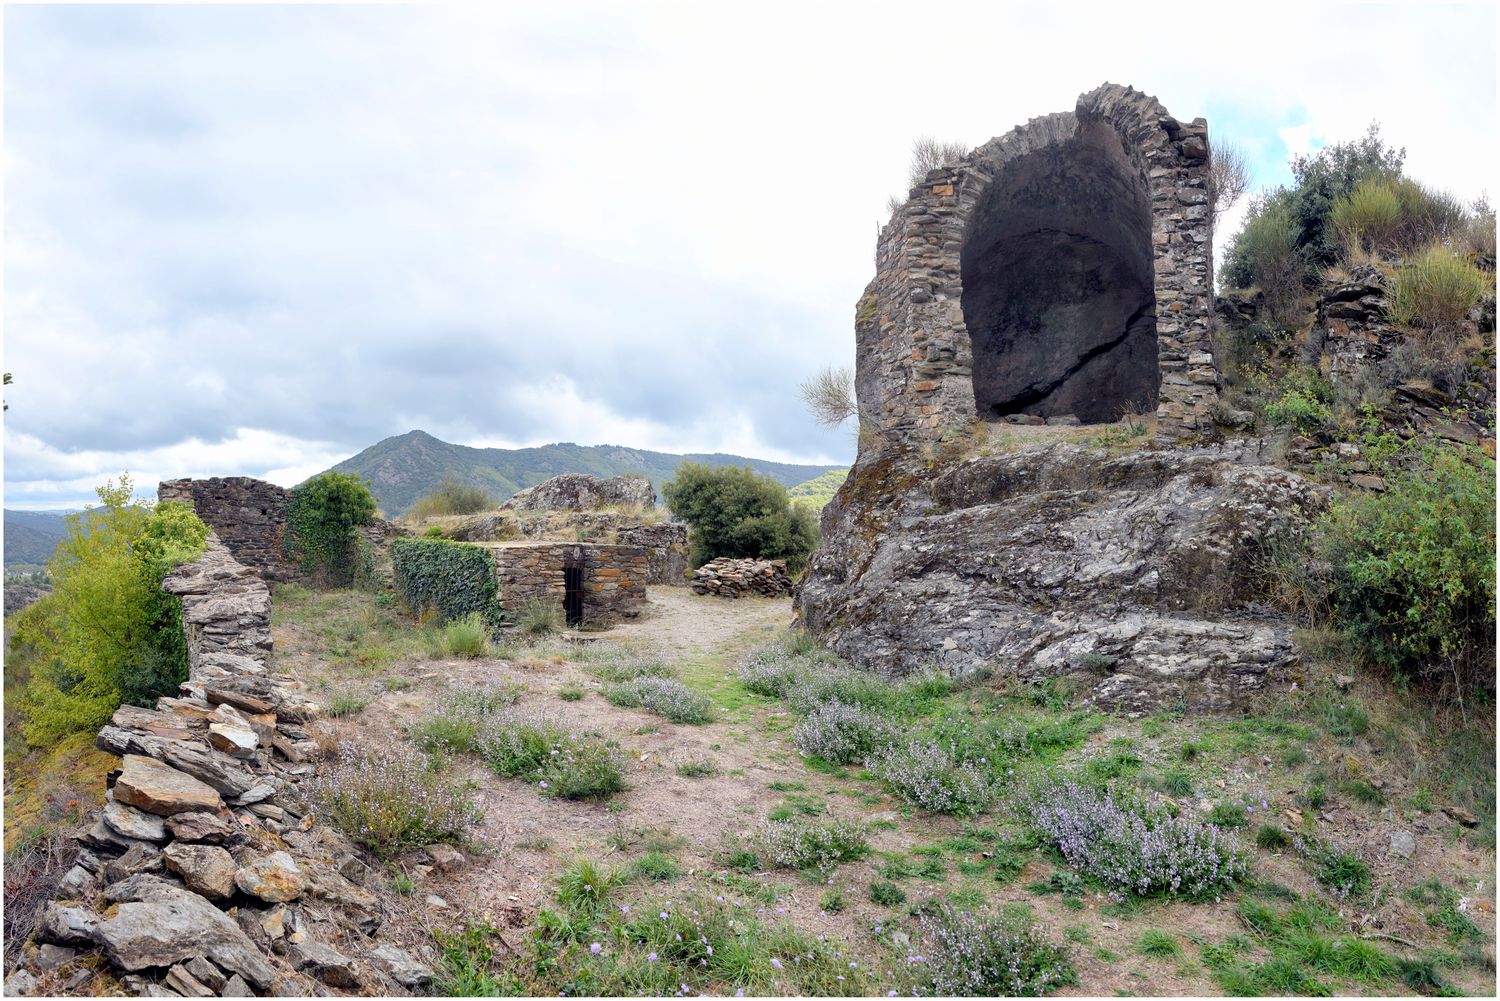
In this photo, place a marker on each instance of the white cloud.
(335, 224)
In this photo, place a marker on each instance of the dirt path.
(690, 624)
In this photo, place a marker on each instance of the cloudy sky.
(254, 240)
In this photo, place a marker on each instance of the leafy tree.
(107, 633)
(734, 512)
(323, 518)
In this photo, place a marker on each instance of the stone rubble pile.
(205, 873)
(732, 578)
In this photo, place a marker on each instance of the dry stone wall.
(206, 872)
(248, 515)
(613, 577)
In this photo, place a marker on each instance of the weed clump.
(800, 844)
(666, 697)
(1135, 848)
(843, 734)
(466, 637)
(385, 797)
(1342, 873)
(924, 774)
(977, 955)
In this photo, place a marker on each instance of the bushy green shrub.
(734, 512)
(107, 633)
(323, 516)
(1436, 289)
(467, 637)
(452, 497)
(1414, 569)
(1264, 255)
(451, 578)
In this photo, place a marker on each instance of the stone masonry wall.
(914, 357)
(614, 577)
(248, 515)
(206, 872)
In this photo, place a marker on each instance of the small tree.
(107, 633)
(323, 519)
(734, 512)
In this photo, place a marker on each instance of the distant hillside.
(817, 492)
(404, 468)
(31, 537)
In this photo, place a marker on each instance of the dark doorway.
(573, 594)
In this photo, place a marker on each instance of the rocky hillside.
(403, 468)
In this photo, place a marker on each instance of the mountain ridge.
(402, 468)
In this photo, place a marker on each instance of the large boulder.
(158, 924)
(582, 492)
(1135, 569)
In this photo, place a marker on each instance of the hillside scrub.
(107, 633)
(1436, 289)
(731, 511)
(452, 496)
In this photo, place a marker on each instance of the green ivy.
(450, 578)
(323, 517)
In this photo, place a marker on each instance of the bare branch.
(1228, 177)
(829, 396)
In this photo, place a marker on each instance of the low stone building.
(593, 583)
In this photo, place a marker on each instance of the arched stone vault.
(1064, 268)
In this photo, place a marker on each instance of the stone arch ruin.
(1061, 271)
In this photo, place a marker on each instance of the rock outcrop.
(726, 577)
(582, 492)
(1057, 559)
(206, 872)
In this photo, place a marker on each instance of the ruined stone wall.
(248, 515)
(915, 361)
(667, 545)
(206, 872)
(614, 577)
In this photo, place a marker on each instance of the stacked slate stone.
(205, 873)
(731, 578)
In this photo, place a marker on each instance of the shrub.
(829, 396)
(922, 773)
(323, 516)
(559, 762)
(971, 955)
(35, 863)
(385, 797)
(1270, 837)
(734, 512)
(467, 637)
(1134, 848)
(1341, 873)
(1370, 216)
(801, 844)
(666, 697)
(887, 894)
(1414, 569)
(843, 734)
(452, 497)
(450, 578)
(1264, 255)
(106, 633)
(1436, 289)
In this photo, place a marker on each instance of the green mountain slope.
(32, 536)
(818, 491)
(404, 468)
